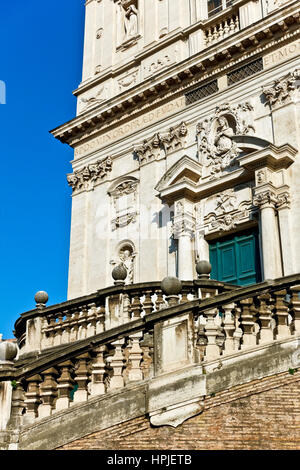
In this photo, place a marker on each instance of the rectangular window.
(215, 6)
(245, 71)
(202, 92)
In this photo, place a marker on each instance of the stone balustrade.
(165, 333)
(88, 316)
(221, 28)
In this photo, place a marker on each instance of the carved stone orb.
(203, 269)
(8, 351)
(41, 297)
(171, 286)
(119, 273)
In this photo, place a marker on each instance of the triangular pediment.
(186, 169)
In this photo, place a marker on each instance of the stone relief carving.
(124, 198)
(128, 80)
(215, 144)
(283, 90)
(149, 150)
(228, 209)
(128, 22)
(175, 138)
(165, 59)
(94, 100)
(88, 176)
(273, 4)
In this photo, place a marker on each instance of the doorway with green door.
(236, 258)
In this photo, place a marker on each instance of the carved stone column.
(271, 254)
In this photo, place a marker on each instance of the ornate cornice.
(193, 71)
(88, 176)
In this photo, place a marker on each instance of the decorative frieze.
(149, 150)
(88, 176)
(283, 90)
(175, 139)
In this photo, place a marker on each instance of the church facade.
(186, 167)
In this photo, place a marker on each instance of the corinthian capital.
(265, 199)
(184, 225)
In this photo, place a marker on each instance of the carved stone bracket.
(283, 90)
(88, 176)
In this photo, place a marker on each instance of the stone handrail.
(87, 316)
(213, 328)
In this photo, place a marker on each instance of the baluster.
(117, 365)
(211, 331)
(32, 398)
(148, 305)
(65, 385)
(282, 312)
(231, 26)
(81, 378)
(17, 407)
(136, 306)
(209, 37)
(135, 357)
(65, 337)
(91, 320)
(229, 328)
(126, 308)
(265, 318)
(48, 392)
(237, 24)
(51, 330)
(247, 323)
(58, 330)
(226, 28)
(201, 341)
(82, 323)
(159, 300)
(100, 320)
(185, 292)
(215, 34)
(99, 370)
(295, 307)
(221, 31)
(74, 325)
(147, 347)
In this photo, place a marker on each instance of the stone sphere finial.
(203, 269)
(119, 274)
(171, 286)
(8, 351)
(41, 298)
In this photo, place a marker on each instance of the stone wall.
(263, 414)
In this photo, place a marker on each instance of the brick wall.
(263, 414)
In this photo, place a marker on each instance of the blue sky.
(41, 62)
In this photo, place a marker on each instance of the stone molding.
(72, 132)
(283, 90)
(86, 178)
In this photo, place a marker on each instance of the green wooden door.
(235, 259)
